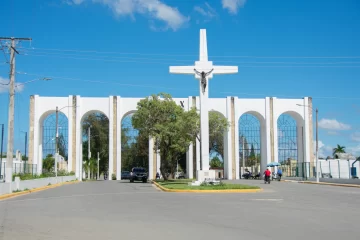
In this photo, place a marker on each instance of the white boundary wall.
(338, 168)
(35, 183)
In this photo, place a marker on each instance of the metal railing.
(19, 168)
(299, 170)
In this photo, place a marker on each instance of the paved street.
(120, 210)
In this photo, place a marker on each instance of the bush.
(113, 176)
(29, 176)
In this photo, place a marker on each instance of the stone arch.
(252, 142)
(290, 142)
(134, 148)
(96, 138)
(47, 137)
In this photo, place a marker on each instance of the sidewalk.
(325, 183)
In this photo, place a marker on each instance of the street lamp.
(317, 141)
(34, 80)
(2, 143)
(25, 150)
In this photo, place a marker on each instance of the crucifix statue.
(203, 76)
(204, 70)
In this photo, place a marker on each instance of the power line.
(157, 86)
(192, 55)
(187, 62)
(27, 53)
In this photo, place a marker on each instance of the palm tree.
(338, 149)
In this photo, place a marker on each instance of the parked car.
(125, 175)
(138, 174)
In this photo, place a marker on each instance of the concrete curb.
(207, 191)
(332, 184)
(15, 194)
(325, 183)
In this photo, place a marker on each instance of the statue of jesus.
(203, 76)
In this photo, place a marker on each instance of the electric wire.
(157, 86)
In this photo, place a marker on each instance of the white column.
(275, 126)
(197, 155)
(197, 103)
(267, 133)
(189, 162)
(70, 135)
(36, 135)
(306, 125)
(228, 164)
(237, 159)
(204, 126)
(118, 143)
(111, 137)
(151, 158)
(78, 159)
(158, 162)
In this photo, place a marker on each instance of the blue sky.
(283, 49)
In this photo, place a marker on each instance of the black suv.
(138, 174)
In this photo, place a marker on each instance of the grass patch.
(30, 176)
(183, 185)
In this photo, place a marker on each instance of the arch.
(131, 112)
(134, 147)
(295, 115)
(252, 142)
(290, 143)
(99, 142)
(217, 148)
(47, 138)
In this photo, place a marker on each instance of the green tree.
(338, 149)
(173, 128)
(218, 124)
(99, 139)
(216, 163)
(48, 163)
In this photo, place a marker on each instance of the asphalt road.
(120, 210)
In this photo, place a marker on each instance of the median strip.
(246, 189)
(15, 194)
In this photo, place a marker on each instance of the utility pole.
(98, 160)
(1, 150)
(317, 148)
(25, 151)
(89, 152)
(243, 153)
(10, 142)
(25, 144)
(56, 140)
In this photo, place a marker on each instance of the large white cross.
(203, 65)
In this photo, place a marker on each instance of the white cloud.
(4, 86)
(155, 9)
(355, 136)
(333, 124)
(324, 150)
(355, 151)
(206, 11)
(233, 5)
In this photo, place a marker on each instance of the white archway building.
(266, 110)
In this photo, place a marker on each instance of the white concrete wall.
(338, 168)
(35, 183)
(260, 108)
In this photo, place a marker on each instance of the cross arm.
(225, 69)
(182, 69)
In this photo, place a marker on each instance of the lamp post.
(317, 141)
(1, 150)
(25, 160)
